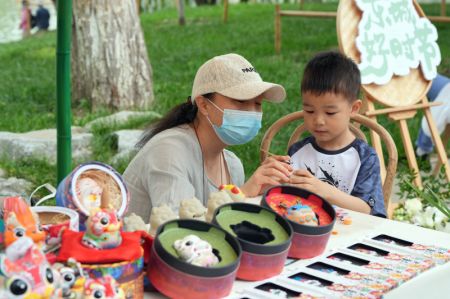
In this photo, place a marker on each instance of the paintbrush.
(271, 154)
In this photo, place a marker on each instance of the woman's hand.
(274, 170)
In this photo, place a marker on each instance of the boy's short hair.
(332, 72)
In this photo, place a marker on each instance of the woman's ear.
(202, 105)
(356, 105)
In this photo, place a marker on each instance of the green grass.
(27, 72)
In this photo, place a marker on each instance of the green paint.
(263, 219)
(214, 237)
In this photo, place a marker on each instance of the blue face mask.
(238, 127)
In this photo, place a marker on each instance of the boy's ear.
(356, 105)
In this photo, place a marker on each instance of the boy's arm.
(368, 185)
(304, 179)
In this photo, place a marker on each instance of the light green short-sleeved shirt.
(169, 169)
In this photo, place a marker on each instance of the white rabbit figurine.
(195, 251)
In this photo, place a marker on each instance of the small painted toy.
(195, 251)
(105, 287)
(192, 209)
(302, 214)
(53, 239)
(235, 193)
(71, 279)
(160, 215)
(89, 193)
(20, 221)
(216, 199)
(25, 272)
(102, 229)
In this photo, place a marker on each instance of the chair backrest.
(386, 138)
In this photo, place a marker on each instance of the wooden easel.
(402, 96)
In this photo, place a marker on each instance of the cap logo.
(249, 70)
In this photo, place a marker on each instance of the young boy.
(332, 162)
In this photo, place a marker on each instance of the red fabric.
(51, 257)
(129, 250)
(147, 241)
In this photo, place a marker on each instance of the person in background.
(42, 18)
(440, 91)
(25, 19)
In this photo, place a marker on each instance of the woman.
(184, 154)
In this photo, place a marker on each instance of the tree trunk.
(181, 18)
(110, 65)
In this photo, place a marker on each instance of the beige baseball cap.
(233, 76)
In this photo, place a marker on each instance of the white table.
(434, 283)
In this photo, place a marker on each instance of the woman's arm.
(273, 171)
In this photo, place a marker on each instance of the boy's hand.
(304, 179)
(273, 171)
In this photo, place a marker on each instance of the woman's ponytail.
(182, 114)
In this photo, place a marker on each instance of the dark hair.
(184, 113)
(332, 72)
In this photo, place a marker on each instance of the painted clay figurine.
(302, 214)
(192, 209)
(160, 215)
(71, 279)
(105, 287)
(102, 229)
(235, 193)
(195, 251)
(25, 272)
(216, 199)
(89, 193)
(20, 221)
